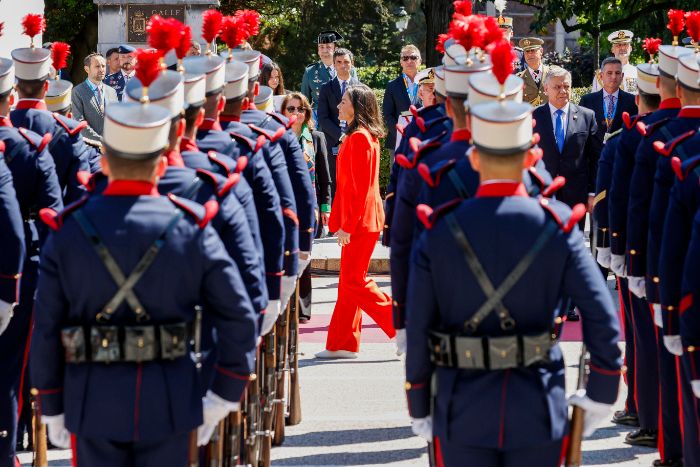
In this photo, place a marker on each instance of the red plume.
(692, 24)
(249, 22)
(676, 22)
(211, 25)
(33, 24)
(184, 42)
(468, 31)
(651, 45)
(59, 55)
(494, 33)
(463, 7)
(2, 27)
(441, 39)
(232, 31)
(147, 65)
(163, 34)
(502, 57)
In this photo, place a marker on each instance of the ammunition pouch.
(490, 353)
(114, 344)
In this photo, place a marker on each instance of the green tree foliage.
(74, 22)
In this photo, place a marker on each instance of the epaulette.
(683, 168)
(418, 148)
(273, 137)
(556, 185)
(55, 219)
(241, 164)
(420, 121)
(284, 121)
(400, 128)
(433, 175)
(71, 126)
(428, 216)
(667, 148)
(646, 130)
(249, 143)
(537, 178)
(202, 214)
(214, 159)
(631, 122)
(220, 188)
(431, 123)
(518, 48)
(37, 142)
(88, 180)
(575, 215)
(2, 146)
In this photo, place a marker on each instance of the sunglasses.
(406, 58)
(291, 109)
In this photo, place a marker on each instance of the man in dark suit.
(401, 93)
(329, 97)
(609, 103)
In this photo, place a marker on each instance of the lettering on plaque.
(137, 17)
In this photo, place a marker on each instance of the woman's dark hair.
(266, 72)
(308, 111)
(366, 108)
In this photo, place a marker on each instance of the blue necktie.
(559, 130)
(342, 88)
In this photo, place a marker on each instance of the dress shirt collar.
(565, 109)
(606, 94)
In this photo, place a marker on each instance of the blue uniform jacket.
(641, 191)
(118, 82)
(124, 402)
(69, 151)
(11, 237)
(603, 181)
(490, 408)
(683, 204)
(277, 129)
(623, 166)
(689, 307)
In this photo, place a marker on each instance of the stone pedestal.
(123, 21)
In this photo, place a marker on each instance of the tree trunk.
(83, 45)
(437, 19)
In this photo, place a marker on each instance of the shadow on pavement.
(612, 432)
(342, 437)
(610, 455)
(354, 458)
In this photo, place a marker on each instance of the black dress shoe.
(646, 438)
(623, 417)
(667, 463)
(571, 315)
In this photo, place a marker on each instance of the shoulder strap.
(457, 183)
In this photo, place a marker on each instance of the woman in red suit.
(357, 217)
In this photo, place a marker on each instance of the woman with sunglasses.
(357, 219)
(313, 143)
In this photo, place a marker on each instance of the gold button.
(656, 280)
(669, 308)
(544, 202)
(623, 369)
(286, 253)
(691, 348)
(437, 349)
(604, 229)
(386, 226)
(503, 353)
(468, 353)
(554, 336)
(34, 392)
(252, 377)
(614, 234)
(558, 320)
(633, 252)
(139, 343)
(105, 343)
(396, 303)
(407, 386)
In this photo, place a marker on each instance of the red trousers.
(356, 293)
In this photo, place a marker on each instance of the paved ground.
(354, 412)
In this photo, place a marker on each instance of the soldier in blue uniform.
(62, 134)
(36, 186)
(496, 365)
(12, 239)
(127, 61)
(205, 134)
(321, 72)
(277, 129)
(111, 359)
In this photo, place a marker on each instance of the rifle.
(193, 460)
(573, 451)
(39, 432)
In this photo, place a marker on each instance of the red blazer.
(357, 206)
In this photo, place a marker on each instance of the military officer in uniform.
(534, 72)
(321, 72)
(496, 364)
(621, 48)
(127, 62)
(111, 359)
(506, 23)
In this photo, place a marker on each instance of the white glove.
(289, 284)
(658, 317)
(269, 320)
(637, 286)
(304, 261)
(423, 427)
(674, 345)
(594, 413)
(215, 409)
(617, 264)
(603, 257)
(400, 342)
(696, 387)
(6, 310)
(56, 427)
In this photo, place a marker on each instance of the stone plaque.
(137, 17)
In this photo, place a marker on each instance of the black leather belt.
(113, 344)
(490, 353)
